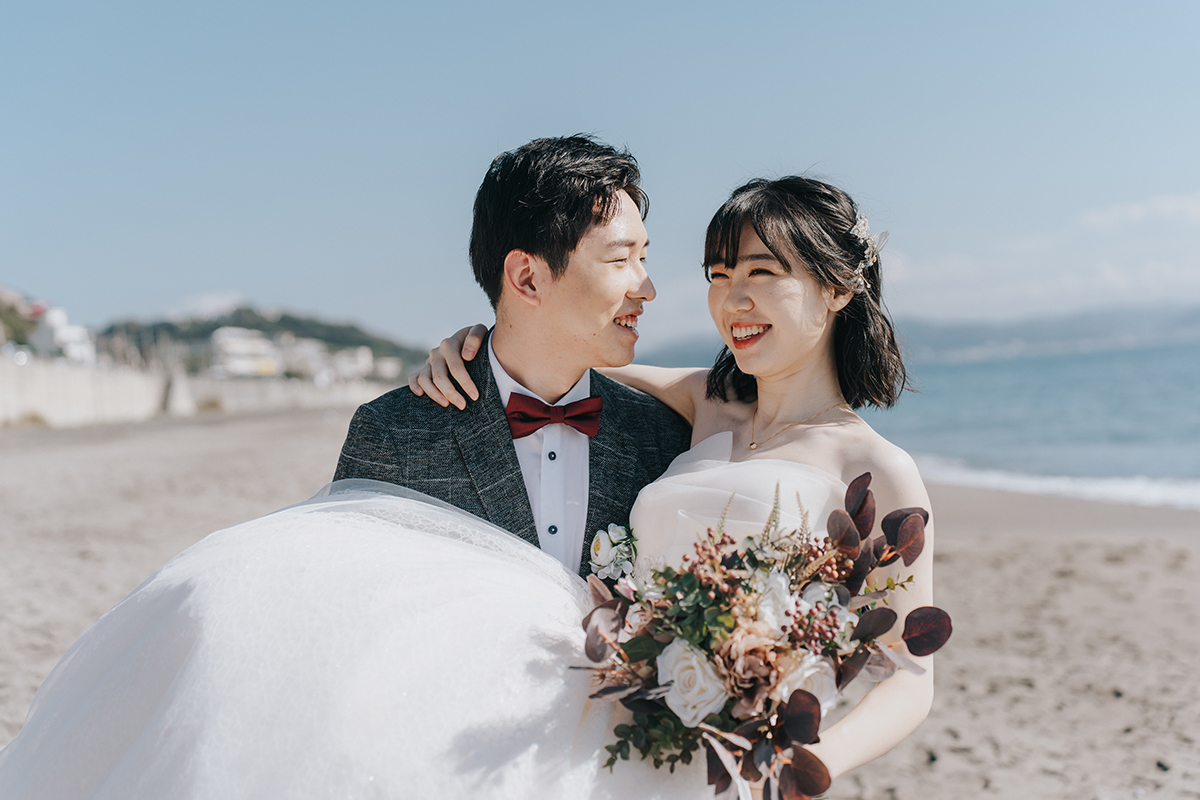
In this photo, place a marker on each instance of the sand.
(1071, 673)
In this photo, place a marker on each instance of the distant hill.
(337, 336)
(1122, 328)
(923, 340)
(16, 321)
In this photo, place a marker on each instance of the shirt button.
(552, 455)
(553, 529)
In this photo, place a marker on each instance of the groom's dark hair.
(543, 197)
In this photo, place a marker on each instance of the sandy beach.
(1069, 675)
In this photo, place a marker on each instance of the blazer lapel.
(610, 492)
(486, 447)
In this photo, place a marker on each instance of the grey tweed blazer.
(467, 459)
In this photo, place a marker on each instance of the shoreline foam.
(1136, 490)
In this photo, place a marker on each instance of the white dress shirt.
(554, 464)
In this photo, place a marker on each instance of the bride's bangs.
(754, 205)
(724, 232)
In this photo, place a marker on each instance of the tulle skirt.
(369, 643)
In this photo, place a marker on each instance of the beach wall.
(62, 395)
(257, 394)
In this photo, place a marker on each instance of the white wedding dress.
(370, 643)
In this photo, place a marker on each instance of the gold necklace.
(754, 445)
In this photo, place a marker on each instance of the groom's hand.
(446, 365)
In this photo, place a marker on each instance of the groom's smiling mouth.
(746, 335)
(628, 322)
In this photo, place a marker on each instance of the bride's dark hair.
(806, 223)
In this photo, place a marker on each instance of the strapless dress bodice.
(703, 484)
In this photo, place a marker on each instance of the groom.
(550, 451)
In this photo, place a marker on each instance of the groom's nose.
(644, 288)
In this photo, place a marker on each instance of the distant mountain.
(1107, 329)
(922, 340)
(337, 336)
(16, 316)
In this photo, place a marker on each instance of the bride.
(374, 642)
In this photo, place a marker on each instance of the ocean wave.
(1137, 490)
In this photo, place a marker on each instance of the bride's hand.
(446, 365)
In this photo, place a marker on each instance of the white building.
(54, 335)
(244, 353)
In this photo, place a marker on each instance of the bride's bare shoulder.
(894, 474)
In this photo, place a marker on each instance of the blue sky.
(1027, 158)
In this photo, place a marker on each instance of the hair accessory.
(872, 244)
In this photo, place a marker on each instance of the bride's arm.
(681, 388)
(894, 708)
(444, 377)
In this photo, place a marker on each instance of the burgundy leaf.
(857, 492)
(656, 692)
(600, 592)
(718, 776)
(891, 523)
(926, 629)
(614, 692)
(878, 668)
(889, 559)
(802, 717)
(873, 624)
(804, 778)
(750, 770)
(615, 603)
(851, 666)
(842, 533)
(877, 547)
(864, 520)
(763, 755)
(862, 568)
(752, 729)
(640, 705)
(868, 598)
(734, 738)
(602, 625)
(910, 540)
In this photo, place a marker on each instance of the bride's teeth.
(747, 332)
(628, 323)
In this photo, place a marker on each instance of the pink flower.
(748, 659)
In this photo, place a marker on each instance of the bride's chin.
(744, 366)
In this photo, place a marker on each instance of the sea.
(1118, 425)
(1110, 423)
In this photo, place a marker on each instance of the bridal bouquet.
(744, 647)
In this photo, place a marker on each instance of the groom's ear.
(525, 276)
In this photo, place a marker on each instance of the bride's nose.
(737, 298)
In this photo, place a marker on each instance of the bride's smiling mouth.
(746, 335)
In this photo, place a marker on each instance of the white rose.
(697, 689)
(812, 673)
(776, 602)
(602, 549)
(616, 533)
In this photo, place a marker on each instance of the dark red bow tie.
(528, 414)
